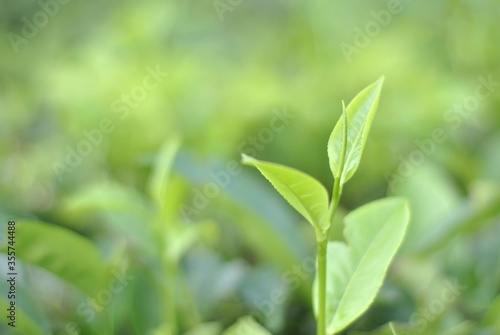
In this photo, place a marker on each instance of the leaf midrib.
(363, 126)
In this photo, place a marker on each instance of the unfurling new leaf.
(359, 115)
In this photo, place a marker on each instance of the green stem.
(322, 260)
(323, 241)
(322, 248)
(337, 191)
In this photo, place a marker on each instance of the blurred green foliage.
(89, 92)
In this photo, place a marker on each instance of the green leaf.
(207, 328)
(434, 201)
(24, 323)
(360, 113)
(158, 182)
(390, 329)
(302, 191)
(355, 272)
(278, 246)
(490, 318)
(122, 209)
(60, 251)
(184, 237)
(463, 328)
(246, 325)
(109, 197)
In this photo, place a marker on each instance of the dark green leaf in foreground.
(64, 253)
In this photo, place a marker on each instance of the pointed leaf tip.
(247, 160)
(158, 182)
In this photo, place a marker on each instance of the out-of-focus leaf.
(391, 326)
(246, 325)
(302, 191)
(158, 181)
(62, 252)
(355, 272)
(212, 280)
(360, 113)
(433, 201)
(24, 325)
(146, 316)
(183, 238)
(268, 291)
(268, 243)
(491, 318)
(106, 197)
(127, 212)
(439, 213)
(465, 219)
(265, 222)
(463, 328)
(490, 158)
(208, 328)
(389, 329)
(164, 329)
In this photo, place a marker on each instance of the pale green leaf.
(463, 328)
(158, 182)
(434, 200)
(109, 197)
(302, 191)
(490, 318)
(184, 237)
(207, 328)
(62, 252)
(359, 115)
(246, 325)
(390, 329)
(355, 272)
(124, 211)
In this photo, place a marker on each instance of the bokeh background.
(97, 99)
